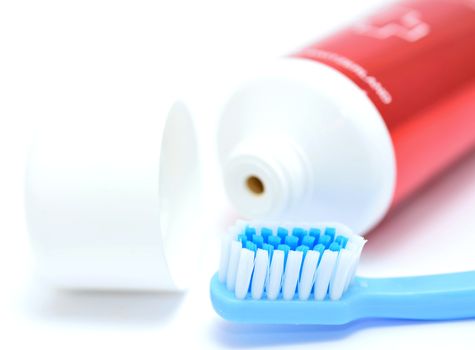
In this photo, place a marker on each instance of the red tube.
(416, 62)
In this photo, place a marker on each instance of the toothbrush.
(283, 274)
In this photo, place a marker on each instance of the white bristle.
(356, 245)
(291, 274)
(255, 272)
(308, 274)
(244, 273)
(351, 246)
(261, 267)
(275, 275)
(324, 273)
(234, 255)
(224, 261)
(340, 274)
(353, 264)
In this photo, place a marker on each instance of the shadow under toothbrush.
(233, 335)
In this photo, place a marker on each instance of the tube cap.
(111, 203)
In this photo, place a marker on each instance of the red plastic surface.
(416, 62)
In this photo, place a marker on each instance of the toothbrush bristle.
(304, 262)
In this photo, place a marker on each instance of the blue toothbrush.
(305, 275)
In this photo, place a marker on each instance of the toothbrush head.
(271, 264)
(283, 274)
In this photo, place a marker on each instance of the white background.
(93, 57)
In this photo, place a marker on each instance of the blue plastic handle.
(434, 297)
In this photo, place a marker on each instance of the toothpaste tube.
(350, 126)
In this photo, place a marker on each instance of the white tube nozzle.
(264, 177)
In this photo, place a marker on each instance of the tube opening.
(255, 185)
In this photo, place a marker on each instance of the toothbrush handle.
(433, 297)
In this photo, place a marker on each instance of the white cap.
(112, 203)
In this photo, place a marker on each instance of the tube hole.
(255, 185)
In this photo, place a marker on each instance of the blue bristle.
(299, 233)
(341, 240)
(258, 240)
(285, 248)
(266, 232)
(335, 247)
(314, 232)
(302, 248)
(243, 239)
(251, 246)
(274, 241)
(325, 240)
(282, 233)
(309, 241)
(319, 248)
(250, 231)
(269, 248)
(330, 231)
(292, 241)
